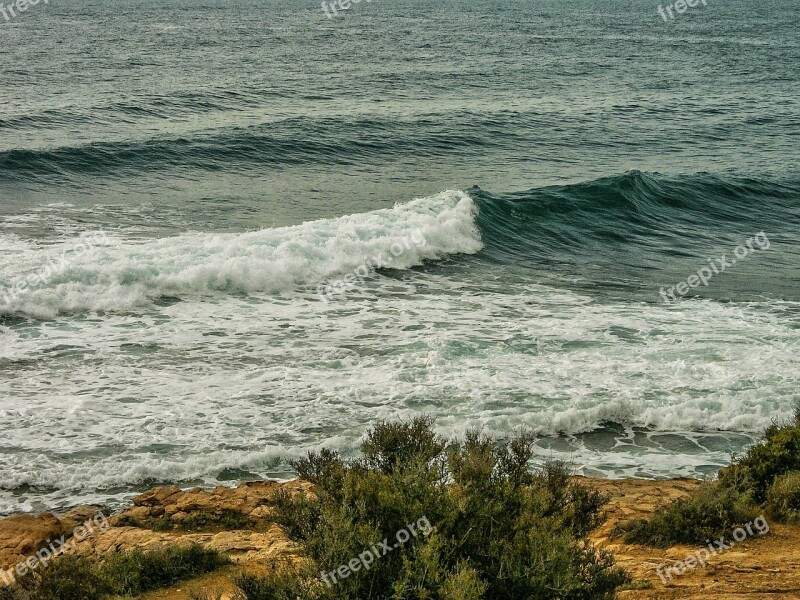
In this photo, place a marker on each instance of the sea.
(233, 231)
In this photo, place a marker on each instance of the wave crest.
(124, 275)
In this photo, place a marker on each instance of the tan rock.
(260, 512)
(22, 536)
(156, 496)
(78, 516)
(135, 513)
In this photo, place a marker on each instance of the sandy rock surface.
(759, 568)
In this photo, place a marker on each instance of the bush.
(298, 514)
(463, 584)
(325, 469)
(494, 529)
(136, 572)
(20, 590)
(765, 477)
(282, 582)
(226, 520)
(783, 498)
(777, 454)
(69, 578)
(709, 513)
(392, 447)
(74, 577)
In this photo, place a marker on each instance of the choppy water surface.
(509, 186)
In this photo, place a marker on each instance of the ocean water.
(232, 231)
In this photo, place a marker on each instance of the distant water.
(509, 185)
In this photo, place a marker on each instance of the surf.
(124, 274)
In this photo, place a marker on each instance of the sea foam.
(124, 275)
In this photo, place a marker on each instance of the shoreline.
(235, 521)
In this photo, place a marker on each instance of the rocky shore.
(236, 521)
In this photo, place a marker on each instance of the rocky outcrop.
(256, 539)
(251, 500)
(242, 546)
(760, 568)
(23, 535)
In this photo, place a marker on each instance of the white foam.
(124, 275)
(180, 393)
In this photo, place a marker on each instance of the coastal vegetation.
(764, 481)
(495, 530)
(225, 520)
(122, 574)
(416, 516)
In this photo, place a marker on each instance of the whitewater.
(121, 275)
(208, 358)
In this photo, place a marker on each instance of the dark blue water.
(186, 186)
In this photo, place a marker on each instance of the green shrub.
(72, 577)
(783, 498)
(777, 454)
(391, 447)
(298, 514)
(227, 520)
(709, 513)
(282, 582)
(764, 478)
(11, 593)
(69, 578)
(463, 584)
(20, 590)
(494, 529)
(136, 572)
(325, 469)
(128, 521)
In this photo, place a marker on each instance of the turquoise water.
(234, 231)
